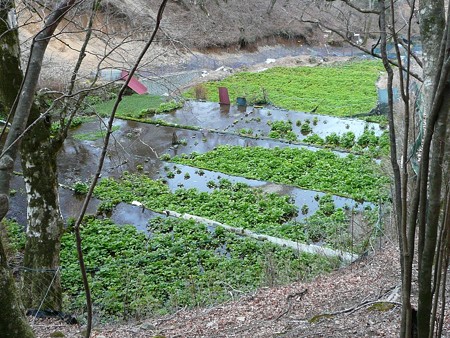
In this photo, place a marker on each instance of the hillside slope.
(220, 23)
(189, 27)
(360, 300)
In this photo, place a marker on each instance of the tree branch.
(361, 48)
(100, 166)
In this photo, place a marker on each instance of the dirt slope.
(219, 23)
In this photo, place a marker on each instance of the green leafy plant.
(305, 128)
(326, 89)
(182, 264)
(368, 138)
(281, 130)
(358, 177)
(305, 209)
(165, 157)
(333, 139)
(367, 143)
(12, 236)
(314, 139)
(234, 204)
(245, 131)
(80, 188)
(347, 140)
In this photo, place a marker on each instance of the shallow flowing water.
(232, 118)
(136, 147)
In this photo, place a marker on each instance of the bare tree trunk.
(433, 29)
(41, 281)
(45, 224)
(11, 78)
(434, 201)
(12, 321)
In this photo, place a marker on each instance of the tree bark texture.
(432, 29)
(13, 322)
(41, 281)
(433, 218)
(10, 64)
(11, 78)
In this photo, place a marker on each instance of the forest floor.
(360, 300)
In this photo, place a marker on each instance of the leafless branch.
(361, 48)
(359, 9)
(101, 162)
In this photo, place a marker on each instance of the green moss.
(316, 318)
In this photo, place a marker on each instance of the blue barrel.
(241, 101)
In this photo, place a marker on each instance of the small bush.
(291, 136)
(305, 128)
(200, 92)
(367, 139)
(246, 131)
(106, 207)
(333, 139)
(274, 134)
(80, 188)
(348, 140)
(165, 157)
(314, 139)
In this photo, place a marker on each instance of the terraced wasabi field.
(307, 177)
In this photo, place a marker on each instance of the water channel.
(137, 147)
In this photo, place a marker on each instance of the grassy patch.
(381, 306)
(182, 264)
(340, 90)
(357, 177)
(93, 136)
(132, 105)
